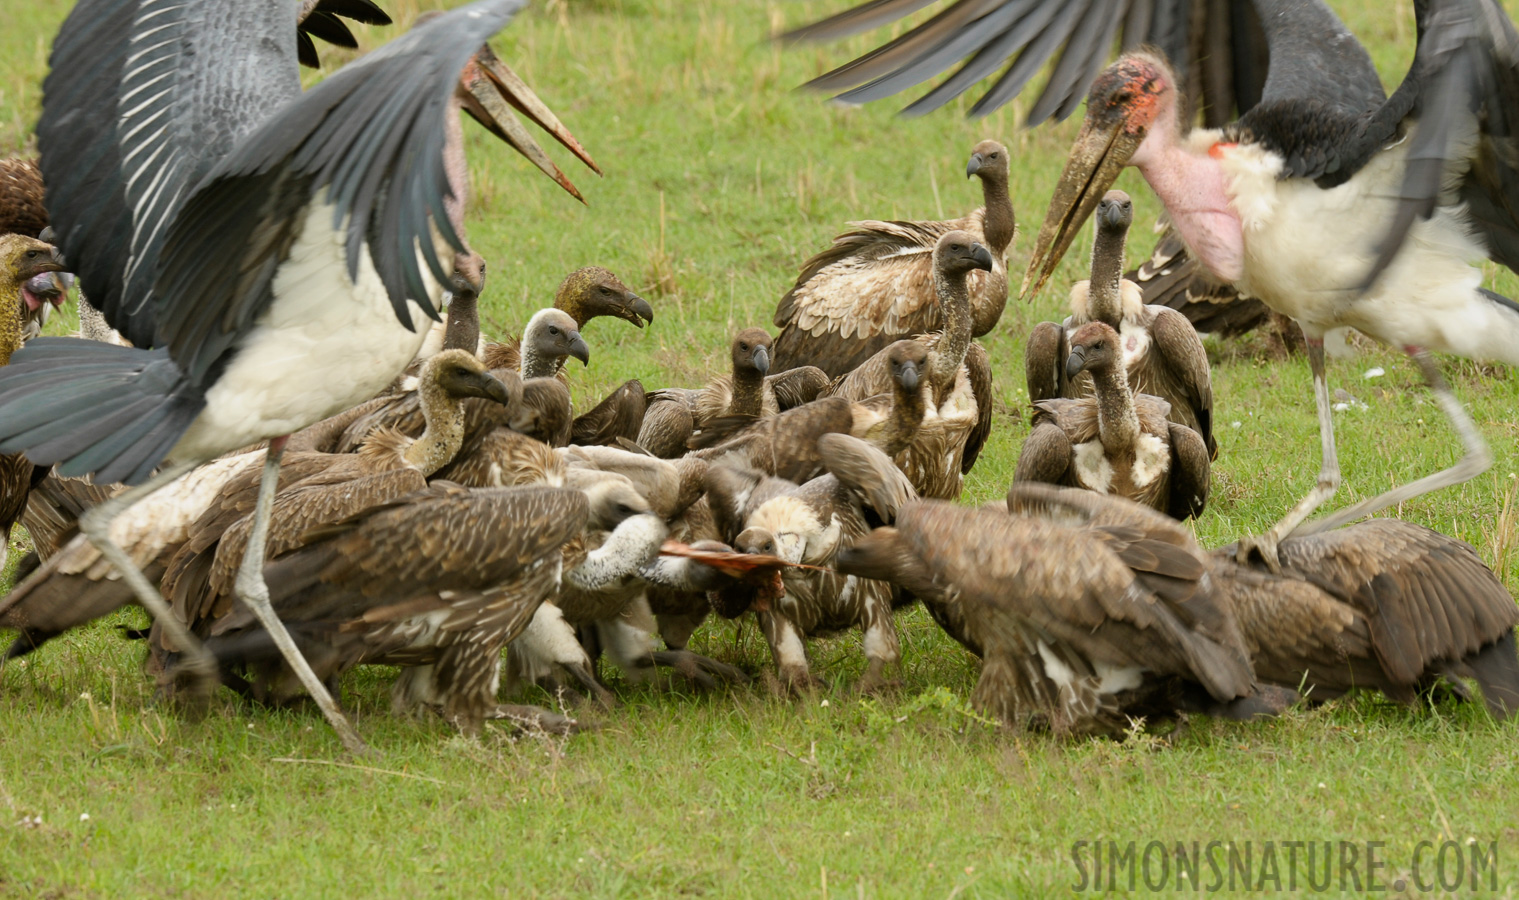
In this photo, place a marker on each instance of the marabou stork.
(1409, 192)
(271, 253)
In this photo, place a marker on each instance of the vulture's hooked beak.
(762, 360)
(482, 384)
(975, 164)
(490, 91)
(1101, 151)
(982, 257)
(908, 375)
(580, 350)
(1075, 362)
(636, 309)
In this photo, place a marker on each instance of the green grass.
(720, 181)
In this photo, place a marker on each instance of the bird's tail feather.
(94, 408)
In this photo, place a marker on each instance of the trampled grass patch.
(720, 180)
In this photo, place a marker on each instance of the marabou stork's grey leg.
(1476, 461)
(96, 525)
(252, 590)
(1329, 472)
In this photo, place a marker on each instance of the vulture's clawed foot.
(874, 682)
(703, 670)
(598, 692)
(791, 681)
(1263, 547)
(537, 720)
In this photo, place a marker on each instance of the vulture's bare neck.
(1104, 302)
(1117, 418)
(954, 341)
(444, 434)
(1000, 222)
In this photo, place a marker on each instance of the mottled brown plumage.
(1115, 441)
(21, 197)
(1383, 604)
(783, 445)
(437, 582)
(1162, 354)
(618, 415)
(1070, 635)
(956, 378)
(876, 285)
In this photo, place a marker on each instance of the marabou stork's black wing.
(142, 97)
(323, 19)
(1460, 100)
(1217, 46)
(368, 142)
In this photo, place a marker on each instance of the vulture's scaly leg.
(96, 525)
(252, 590)
(1476, 461)
(1329, 471)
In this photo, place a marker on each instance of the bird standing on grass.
(271, 254)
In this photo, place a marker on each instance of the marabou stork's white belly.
(1307, 249)
(326, 343)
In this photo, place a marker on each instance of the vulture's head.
(460, 374)
(792, 530)
(612, 497)
(907, 359)
(751, 352)
(28, 266)
(1094, 348)
(553, 334)
(469, 274)
(1115, 213)
(593, 291)
(877, 555)
(1125, 103)
(988, 161)
(959, 253)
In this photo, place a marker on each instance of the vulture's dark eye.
(994, 156)
(553, 329)
(743, 346)
(31, 254)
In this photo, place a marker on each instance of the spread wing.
(1219, 46)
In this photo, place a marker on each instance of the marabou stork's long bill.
(1328, 200)
(271, 253)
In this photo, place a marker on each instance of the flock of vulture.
(282, 432)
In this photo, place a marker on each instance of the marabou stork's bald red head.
(1125, 103)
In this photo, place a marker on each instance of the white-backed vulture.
(1076, 632)
(876, 284)
(1115, 441)
(1162, 353)
(674, 414)
(956, 377)
(809, 525)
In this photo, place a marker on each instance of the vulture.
(956, 377)
(436, 582)
(1162, 353)
(585, 294)
(1115, 441)
(877, 283)
(893, 422)
(22, 258)
(1076, 631)
(330, 202)
(674, 414)
(1384, 604)
(808, 526)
